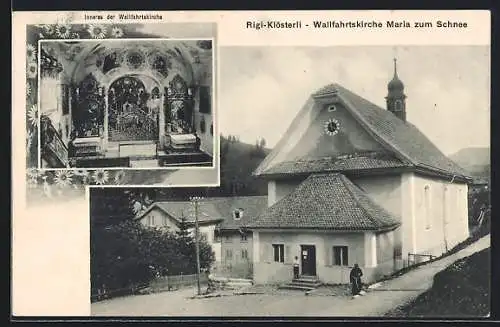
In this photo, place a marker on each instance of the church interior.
(127, 103)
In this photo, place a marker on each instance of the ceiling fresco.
(191, 59)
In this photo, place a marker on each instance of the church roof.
(327, 202)
(360, 162)
(410, 147)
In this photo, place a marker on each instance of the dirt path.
(405, 288)
(378, 301)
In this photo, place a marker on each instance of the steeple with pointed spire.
(396, 99)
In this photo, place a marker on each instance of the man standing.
(296, 267)
(355, 278)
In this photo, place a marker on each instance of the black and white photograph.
(125, 103)
(355, 182)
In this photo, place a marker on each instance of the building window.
(445, 204)
(238, 213)
(340, 256)
(243, 236)
(427, 207)
(244, 254)
(203, 126)
(458, 205)
(165, 221)
(205, 103)
(229, 254)
(332, 108)
(65, 99)
(279, 252)
(398, 105)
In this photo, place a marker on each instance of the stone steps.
(179, 158)
(303, 283)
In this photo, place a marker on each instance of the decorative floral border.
(54, 182)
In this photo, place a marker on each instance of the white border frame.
(214, 111)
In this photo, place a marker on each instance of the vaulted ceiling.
(188, 58)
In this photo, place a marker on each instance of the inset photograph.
(126, 103)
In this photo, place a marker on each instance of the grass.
(473, 238)
(461, 290)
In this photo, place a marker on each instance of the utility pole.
(196, 232)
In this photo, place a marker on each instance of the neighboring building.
(236, 239)
(169, 214)
(221, 222)
(350, 182)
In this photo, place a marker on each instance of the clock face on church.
(332, 126)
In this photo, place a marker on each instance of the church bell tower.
(396, 99)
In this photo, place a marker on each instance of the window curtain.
(50, 94)
(50, 88)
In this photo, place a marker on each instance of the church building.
(350, 182)
(127, 103)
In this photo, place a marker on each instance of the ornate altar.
(180, 131)
(132, 116)
(88, 118)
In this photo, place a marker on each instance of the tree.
(129, 253)
(124, 252)
(262, 143)
(109, 206)
(183, 231)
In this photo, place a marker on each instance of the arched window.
(155, 93)
(446, 203)
(203, 127)
(458, 205)
(398, 105)
(427, 207)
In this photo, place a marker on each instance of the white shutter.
(266, 252)
(328, 255)
(288, 254)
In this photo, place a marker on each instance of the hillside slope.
(474, 160)
(238, 161)
(461, 290)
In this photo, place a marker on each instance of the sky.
(448, 87)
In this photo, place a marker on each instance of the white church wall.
(457, 223)
(386, 191)
(439, 212)
(278, 189)
(297, 129)
(408, 212)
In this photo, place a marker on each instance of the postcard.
(251, 164)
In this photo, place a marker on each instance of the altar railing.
(53, 149)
